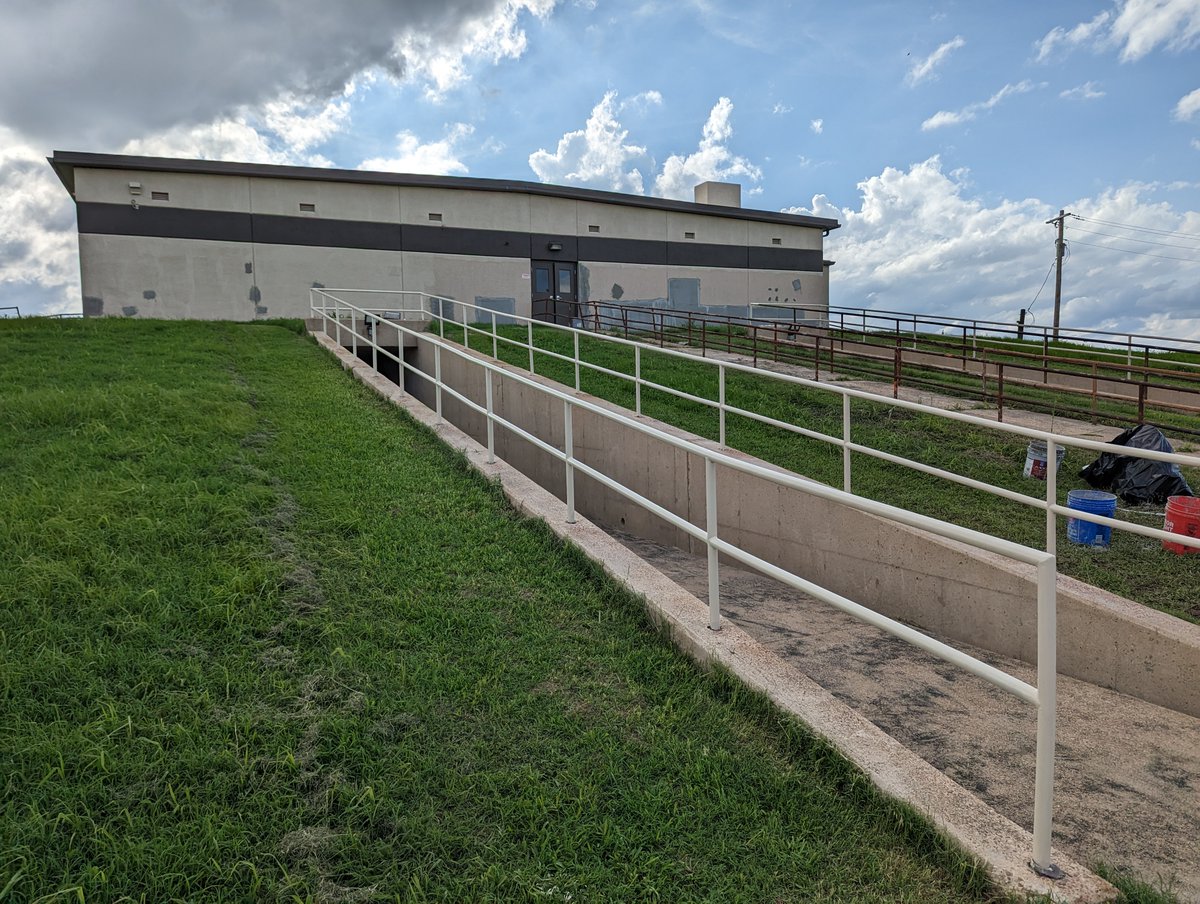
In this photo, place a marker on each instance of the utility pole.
(1058, 259)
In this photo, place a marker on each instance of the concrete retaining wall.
(941, 586)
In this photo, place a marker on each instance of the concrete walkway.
(1127, 772)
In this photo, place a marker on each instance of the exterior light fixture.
(554, 246)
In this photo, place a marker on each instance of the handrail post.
(399, 355)
(374, 337)
(529, 333)
(569, 449)
(714, 575)
(576, 336)
(637, 380)
(491, 426)
(437, 379)
(494, 340)
(1043, 793)
(721, 403)
(337, 319)
(846, 443)
(1051, 496)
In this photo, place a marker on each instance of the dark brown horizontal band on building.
(270, 229)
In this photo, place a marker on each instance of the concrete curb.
(999, 844)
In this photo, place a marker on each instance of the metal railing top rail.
(1049, 504)
(1043, 696)
(1032, 433)
(1118, 338)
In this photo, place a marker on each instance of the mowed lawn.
(265, 638)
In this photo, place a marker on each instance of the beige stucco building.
(214, 240)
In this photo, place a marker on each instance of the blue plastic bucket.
(1095, 502)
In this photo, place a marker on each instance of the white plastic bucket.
(1035, 460)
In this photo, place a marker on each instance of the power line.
(1044, 281)
(1166, 232)
(1129, 238)
(1186, 260)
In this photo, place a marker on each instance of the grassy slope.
(264, 638)
(1134, 567)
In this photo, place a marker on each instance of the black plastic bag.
(1138, 480)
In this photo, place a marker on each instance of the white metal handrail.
(1043, 696)
(1049, 504)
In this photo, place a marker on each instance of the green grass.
(1134, 567)
(265, 638)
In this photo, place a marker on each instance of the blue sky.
(942, 135)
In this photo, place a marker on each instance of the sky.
(942, 135)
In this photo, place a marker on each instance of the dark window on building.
(541, 279)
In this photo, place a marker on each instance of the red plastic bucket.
(1183, 517)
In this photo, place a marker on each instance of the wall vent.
(307, 208)
(593, 228)
(160, 196)
(689, 235)
(776, 241)
(436, 217)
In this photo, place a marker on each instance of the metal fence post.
(1047, 667)
(846, 443)
(530, 337)
(714, 575)
(1051, 496)
(374, 337)
(721, 403)
(637, 380)
(437, 379)
(576, 335)
(491, 426)
(569, 448)
(337, 319)
(494, 339)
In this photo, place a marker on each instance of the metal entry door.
(554, 293)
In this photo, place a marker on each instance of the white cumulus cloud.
(817, 126)
(955, 117)
(712, 161)
(1188, 106)
(124, 67)
(598, 155)
(1137, 28)
(923, 69)
(439, 158)
(919, 241)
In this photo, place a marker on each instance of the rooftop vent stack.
(722, 194)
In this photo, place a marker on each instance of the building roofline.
(64, 163)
